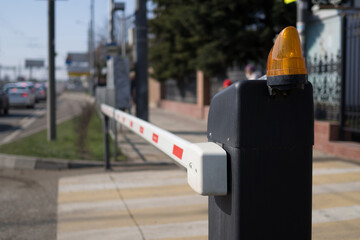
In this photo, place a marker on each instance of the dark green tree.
(212, 35)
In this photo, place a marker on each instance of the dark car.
(4, 102)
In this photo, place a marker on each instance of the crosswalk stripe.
(88, 196)
(161, 200)
(336, 214)
(331, 200)
(344, 230)
(336, 178)
(324, 171)
(110, 185)
(93, 220)
(102, 181)
(117, 205)
(336, 188)
(153, 216)
(182, 229)
(333, 164)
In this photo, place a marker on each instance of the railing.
(205, 162)
(351, 84)
(325, 75)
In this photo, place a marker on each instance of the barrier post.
(106, 143)
(115, 141)
(268, 139)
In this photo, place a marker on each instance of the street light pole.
(51, 100)
(111, 21)
(92, 48)
(123, 32)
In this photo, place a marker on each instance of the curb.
(32, 163)
(26, 162)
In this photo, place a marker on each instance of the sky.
(23, 31)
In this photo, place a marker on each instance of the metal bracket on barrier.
(206, 163)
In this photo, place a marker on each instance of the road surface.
(22, 122)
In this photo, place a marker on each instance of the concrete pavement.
(158, 204)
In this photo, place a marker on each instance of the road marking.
(166, 208)
(336, 214)
(333, 164)
(125, 184)
(167, 201)
(336, 188)
(24, 123)
(336, 178)
(183, 229)
(84, 207)
(142, 203)
(93, 220)
(348, 230)
(87, 196)
(116, 205)
(324, 171)
(331, 200)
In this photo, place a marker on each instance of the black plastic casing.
(268, 140)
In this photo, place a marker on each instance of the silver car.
(40, 91)
(21, 96)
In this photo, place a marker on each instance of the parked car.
(4, 102)
(40, 91)
(8, 86)
(21, 95)
(28, 84)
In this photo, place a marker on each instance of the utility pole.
(92, 47)
(51, 100)
(123, 32)
(141, 65)
(111, 21)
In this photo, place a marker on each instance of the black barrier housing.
(268, 140)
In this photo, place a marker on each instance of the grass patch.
(70, 142)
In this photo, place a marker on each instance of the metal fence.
(325, 75)
(351, 85)
(336, 81)
(185, 92)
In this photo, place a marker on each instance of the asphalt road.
(21, 122)
(28, 199)
(28, 202)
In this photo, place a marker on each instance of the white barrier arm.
(205, 162)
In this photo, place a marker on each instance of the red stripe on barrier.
(123, 119)
(141, 130)
(177, 151)
(131, 124)
(155, 138)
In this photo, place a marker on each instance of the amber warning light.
(286, 68)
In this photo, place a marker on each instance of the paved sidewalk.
(158, 204)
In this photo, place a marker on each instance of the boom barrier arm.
(206, 163)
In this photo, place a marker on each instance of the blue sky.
(23, 30)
